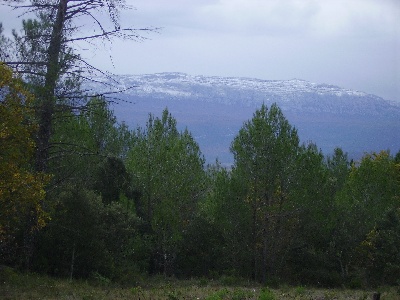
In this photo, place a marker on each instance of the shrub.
(266, 294)
(241, 294)
(300, 290)
(219, 295)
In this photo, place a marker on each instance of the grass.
(33, 286)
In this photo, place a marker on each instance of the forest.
(83, 195)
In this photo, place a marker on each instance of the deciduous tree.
(21, 189)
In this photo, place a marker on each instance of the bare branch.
(39, 63)
(125, 33)
(49, 44)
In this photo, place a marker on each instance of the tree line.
(83, 195)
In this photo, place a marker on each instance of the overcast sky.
(350, 43)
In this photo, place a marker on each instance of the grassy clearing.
(32, 286)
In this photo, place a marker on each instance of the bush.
(219, 295)
(300, 290)
(240, 294)
(266, 294)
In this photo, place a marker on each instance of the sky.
(354, 44)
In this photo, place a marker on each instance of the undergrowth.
(14, 285)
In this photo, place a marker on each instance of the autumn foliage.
(21, 189)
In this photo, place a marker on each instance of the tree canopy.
(168, 167)
(82, 195)
(21, 189)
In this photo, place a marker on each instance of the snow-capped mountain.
(214, 109)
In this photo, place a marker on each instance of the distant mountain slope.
(214, 109)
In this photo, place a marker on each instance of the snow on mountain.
(292, 95)
(214, 108)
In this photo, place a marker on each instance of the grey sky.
(350, 43)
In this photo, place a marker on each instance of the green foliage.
(241, 294)
(380, 251)
(373, 185)
(112, 180)
(137, 292)
(34, 286)
(300, 290)
(397, 158)
(312, 259)
(339, 167)
(220, 235)
(218, 295)
(266, 294)
(168, 168)
(265, 153)
(371, 190)
(85, 236)
(123, 204)
(85, 146)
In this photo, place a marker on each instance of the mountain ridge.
(249, 91)
(214, 108)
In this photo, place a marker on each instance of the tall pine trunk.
(47, 99)
(46, 107)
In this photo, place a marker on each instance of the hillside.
(214, 109)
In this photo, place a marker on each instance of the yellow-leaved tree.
(21, 189)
